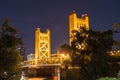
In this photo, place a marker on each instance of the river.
(36, 78)
(26, 78)
(32, 78)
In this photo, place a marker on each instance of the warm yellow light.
(63, 55)
(67, 55)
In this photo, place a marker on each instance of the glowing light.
(63, 55)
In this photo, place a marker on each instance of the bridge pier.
(57, 73)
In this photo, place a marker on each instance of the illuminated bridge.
(39, 68)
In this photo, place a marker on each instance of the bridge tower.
(76, 23)
(42, 46)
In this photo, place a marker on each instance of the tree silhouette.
(9, 57)
(90, 52)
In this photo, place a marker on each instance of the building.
(42, 46)
(30, 57)
(76, 23)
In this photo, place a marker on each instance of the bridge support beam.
(57, 73)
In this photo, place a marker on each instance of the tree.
(116, 28)
(65, 50)
(9, 57)
(89, 52)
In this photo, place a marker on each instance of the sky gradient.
(27, 15)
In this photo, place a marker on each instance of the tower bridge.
(42, 61)
(42, 53)
(42, 58)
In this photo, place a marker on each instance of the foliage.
(66, 63)
(89, 51)
(65, 49)
(107, 78)
(72, 74)
(116, 29)
(9, 57)
(114, 65)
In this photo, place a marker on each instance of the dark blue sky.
(27, 15)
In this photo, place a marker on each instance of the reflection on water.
(25, 78)
(36, 78)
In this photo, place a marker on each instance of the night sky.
(27, 15)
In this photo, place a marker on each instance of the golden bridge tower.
(76, 23)
(42, 46)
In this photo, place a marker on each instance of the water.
(36, 78)
(25, 78)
